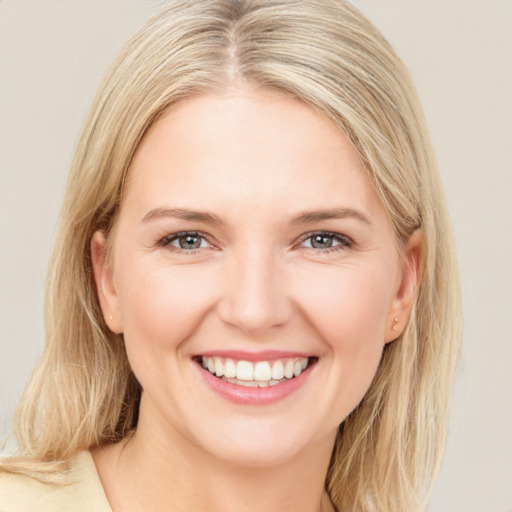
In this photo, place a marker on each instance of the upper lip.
(244, 355)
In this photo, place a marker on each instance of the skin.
(255, 160)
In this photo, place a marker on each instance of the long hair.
(327, 54)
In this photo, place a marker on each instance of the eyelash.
(344, 242)
(167, 240)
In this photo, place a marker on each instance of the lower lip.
(246, 395)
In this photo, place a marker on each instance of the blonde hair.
(327, 54)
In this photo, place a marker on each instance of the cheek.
(348, 304)
(162, 306)
(348, 309)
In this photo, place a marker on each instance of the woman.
(253, 302)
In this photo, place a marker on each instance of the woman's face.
(251, 240)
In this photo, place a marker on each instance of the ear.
(104, 279)
(410, 279)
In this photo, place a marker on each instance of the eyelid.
(345, 241)
(167, 239)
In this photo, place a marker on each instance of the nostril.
(254, 318)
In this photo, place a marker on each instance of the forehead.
(248, 149)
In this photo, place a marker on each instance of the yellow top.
(85, 493)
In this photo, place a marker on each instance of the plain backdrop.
(459, 52)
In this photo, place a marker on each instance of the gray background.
(52, 55)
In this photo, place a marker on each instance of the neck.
(140, 474)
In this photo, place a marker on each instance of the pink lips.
(244, 395)
(266, 355)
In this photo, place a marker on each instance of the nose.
(254, 296)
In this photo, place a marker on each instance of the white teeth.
(244, 370)
(278, 370)
(230, 368)
(219, 367)
(262, 371)
(253, 383)
(259, 374)
(288, 369)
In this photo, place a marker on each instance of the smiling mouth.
(255, 374)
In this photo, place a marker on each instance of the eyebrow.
(184, 214)
(330, 213)
(211, 218)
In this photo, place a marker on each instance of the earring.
(111, 318)
(395, 320)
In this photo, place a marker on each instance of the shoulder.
(22, 493)
(82, 491)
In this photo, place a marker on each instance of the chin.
(245, 454)
(257, 443)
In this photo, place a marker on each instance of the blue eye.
(188, 241)
(191, 241)
(324, 241)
